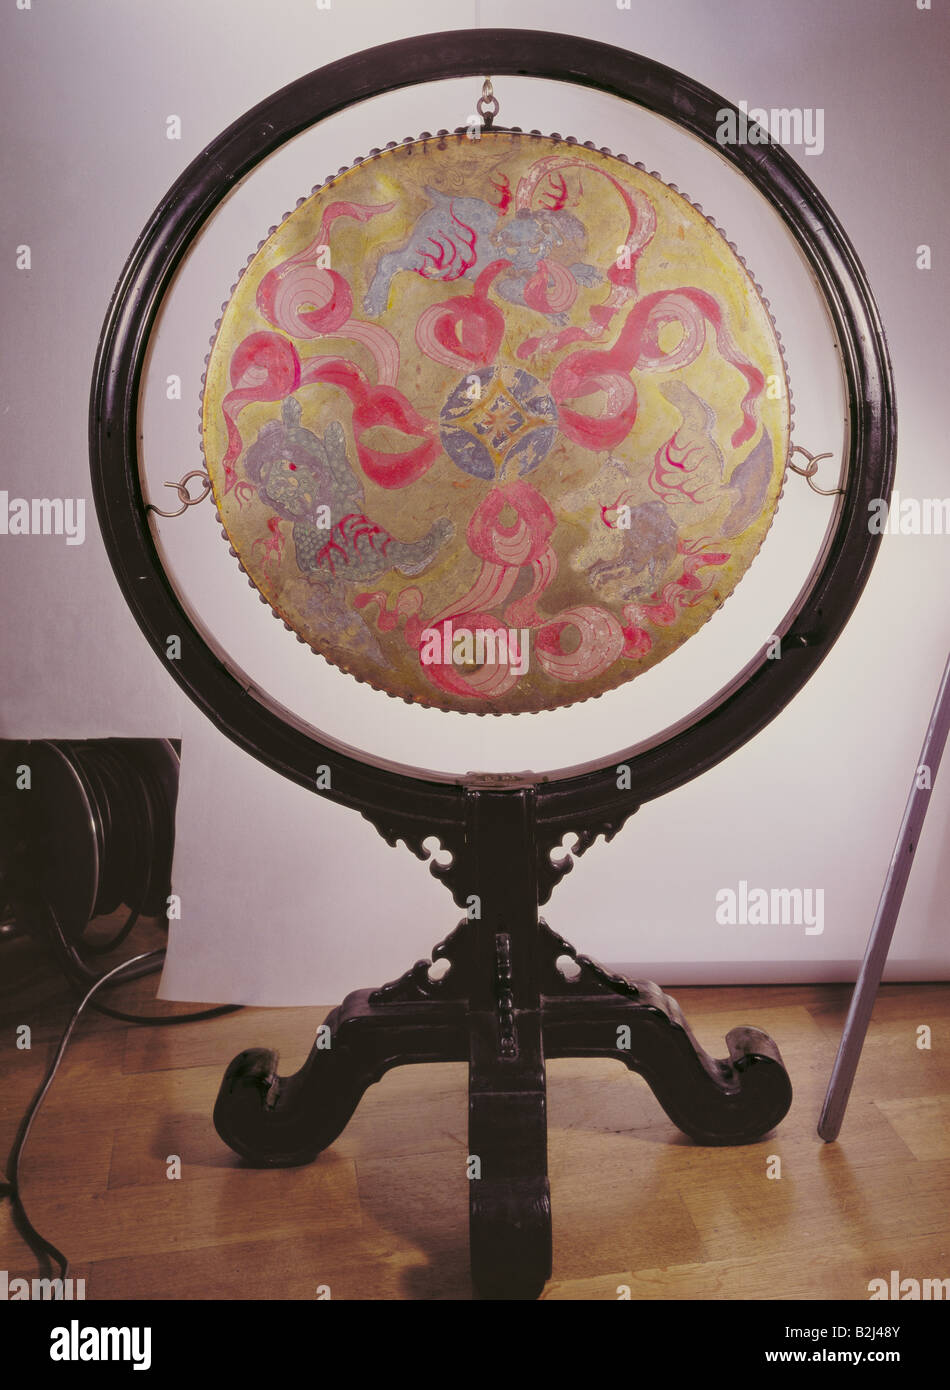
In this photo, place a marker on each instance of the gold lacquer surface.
(497, 424)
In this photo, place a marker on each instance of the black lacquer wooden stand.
(505, 1006)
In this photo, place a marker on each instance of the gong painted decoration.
(495, 424)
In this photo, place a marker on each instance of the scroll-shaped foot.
(282, 1121)
(733, 1101)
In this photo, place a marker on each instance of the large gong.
(494, 421)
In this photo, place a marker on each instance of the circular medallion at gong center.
(497, 424)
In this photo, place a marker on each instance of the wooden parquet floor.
(382, 1215)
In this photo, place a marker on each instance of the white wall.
(287, 898)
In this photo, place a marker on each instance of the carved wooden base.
(281, 1121)
(504, 1003)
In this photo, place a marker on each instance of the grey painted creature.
(530, 237)
(458, 237)
(649, 543)
(311, 483)
(452, 230)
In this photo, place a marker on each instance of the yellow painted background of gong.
(686, 251)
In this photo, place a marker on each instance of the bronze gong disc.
(495, 424)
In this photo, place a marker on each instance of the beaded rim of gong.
(571, 698)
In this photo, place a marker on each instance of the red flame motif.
(346, 536)
(559, 191)
(273, 545)
(504, 189)
(438, 264)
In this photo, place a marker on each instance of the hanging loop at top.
(487, 105)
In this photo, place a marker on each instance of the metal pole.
(872, 968)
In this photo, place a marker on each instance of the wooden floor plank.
(923, 1123)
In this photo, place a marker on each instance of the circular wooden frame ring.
(571, 795)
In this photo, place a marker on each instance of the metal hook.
(487, 104)
(812, 469)
(183, 495)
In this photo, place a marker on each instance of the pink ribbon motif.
(637, 349)
(466, 330)
(307, 301)
(266, 367)
(504, 547)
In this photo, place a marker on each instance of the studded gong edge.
(395, 145)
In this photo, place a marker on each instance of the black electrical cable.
(102, 948)
(160, 1020)
(135, 968)
(11, 1187)
(83, 975)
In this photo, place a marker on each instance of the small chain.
(811, 470)
(184, 496)
(487, 105)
